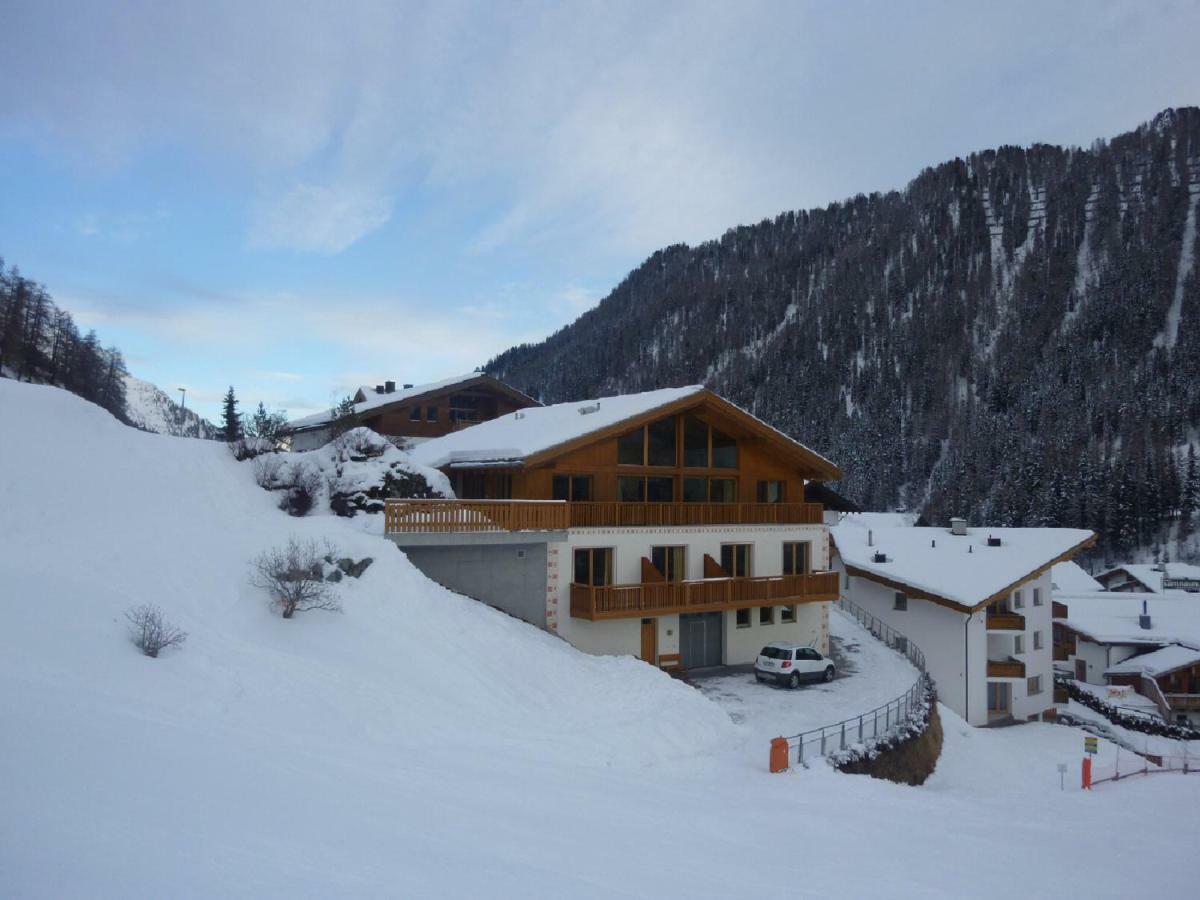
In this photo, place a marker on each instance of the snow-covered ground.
(422, 744)
(869, 675)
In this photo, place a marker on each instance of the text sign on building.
(1181, 584)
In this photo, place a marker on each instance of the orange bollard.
(1087, 773)
(779, 754)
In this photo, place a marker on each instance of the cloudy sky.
(296, 198)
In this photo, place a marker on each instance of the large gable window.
(660, 443)
(631, 448)
(706, 447)
(724, 451)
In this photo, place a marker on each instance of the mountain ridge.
(1014, 336)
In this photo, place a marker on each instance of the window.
(770, 491)
(724, 451)
(766, 615)
(998, 697)
(743, 618)
(695, 490)
(807, 653)
(1019, 644)
(572, 487)
(431, 414)
(414, 414)
(669, 561)
(631, 448)
(787, 614)
(660, 443)
(1037, 640)
(900, 601)
(1033, 685)
(695, 443)
(631, 489)
(593, 565)
(796, 556)
(1018, 602)
(660, 490)
(1037, 596)
(735, 560)
(722, 490)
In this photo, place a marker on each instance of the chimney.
(993, 541)
(958, 526)
(1144, 618)
(389, 387)
(407, 386)
(379, 388)
(870, 538)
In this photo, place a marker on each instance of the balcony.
(1005, 668)
(452, 516)
(1181, 702)
(1005, 621)
(628, 601)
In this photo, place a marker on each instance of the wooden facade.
(705, 453)
(439, 412)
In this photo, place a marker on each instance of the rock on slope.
(150, 408)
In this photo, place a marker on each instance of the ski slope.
(422, 744)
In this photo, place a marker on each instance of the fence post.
(860, 736)
(800, 750)
(843, 735)
(822, 741)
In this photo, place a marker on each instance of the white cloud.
(317, 218)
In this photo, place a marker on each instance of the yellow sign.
(1090, 745)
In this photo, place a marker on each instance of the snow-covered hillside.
(149, 407)
(422, 744)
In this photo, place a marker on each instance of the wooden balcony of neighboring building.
(449, 516)
(1005, 621)
(1182, 702)
(1005, 668)
(1063, 650)
(627, 601)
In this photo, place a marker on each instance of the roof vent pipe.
(958, 526)
(1144, 618)
(870, 538)
(993, 541)
(389, 387)
(407, 386)
(379, 388)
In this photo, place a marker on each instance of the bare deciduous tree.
(150, 632)
(294, 576)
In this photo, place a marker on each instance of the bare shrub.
(150, 631)
(294, 575)
(266, 470)
(303, 483)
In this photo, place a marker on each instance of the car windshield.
(776, 653)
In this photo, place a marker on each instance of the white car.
(789, 664)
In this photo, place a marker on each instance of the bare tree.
(294, 574)
(150, 632)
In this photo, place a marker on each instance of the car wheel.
(759, 678)
(828, 674)
(794, 681)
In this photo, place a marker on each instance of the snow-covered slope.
(421, 744)
(149, 407)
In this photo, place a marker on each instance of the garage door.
(700, 639)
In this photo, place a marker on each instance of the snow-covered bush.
(150, 632)
(266, 470)
(294, 575)
(249, 447)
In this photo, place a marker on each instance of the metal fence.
(876, 723)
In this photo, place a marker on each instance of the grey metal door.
(700, 640)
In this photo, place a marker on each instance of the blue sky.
(299, 199)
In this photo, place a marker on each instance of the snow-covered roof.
(1157, 662)
(374, 400)
(513, 437)
(962, 569)
(1152, 575)
(880, 519)
(1112, 617)
(1070, 576)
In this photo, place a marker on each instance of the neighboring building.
(417, 412)
(668, 525)
(975, 600)
(1144, 640)
(834, 504)
(1156, 579)
(1069, 577)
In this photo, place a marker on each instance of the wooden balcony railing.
(1183, 701)
(604, 515)
(1005, 621)
(1005, 668)
(626, 601)
(445, 516)
(1063, 650)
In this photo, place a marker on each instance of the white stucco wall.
(630, 545)
(1096, 658)
(1037, 662)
